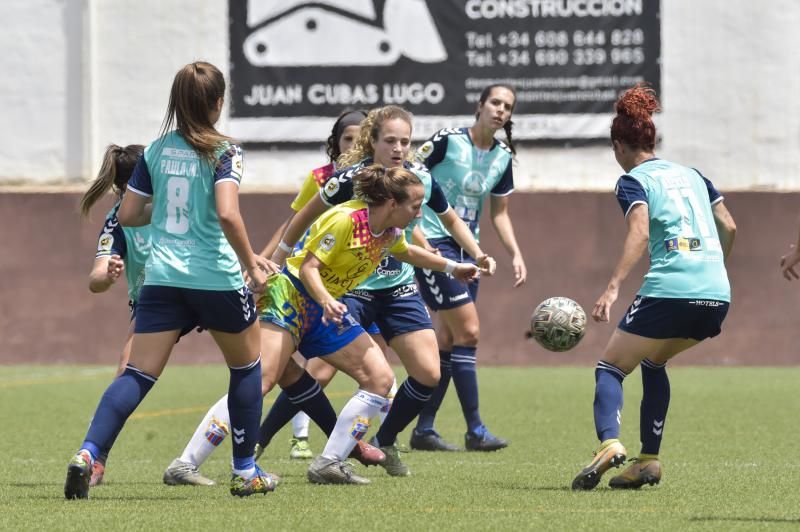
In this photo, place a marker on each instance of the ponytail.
(507, 128)
(115, 171)
(376, 185)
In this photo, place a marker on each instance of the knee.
(379, 383)
(430, 377)
(468, 335)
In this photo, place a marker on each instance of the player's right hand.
(256, 279)
(115, 268)
(602, 309)
(333, 311)
(466, 272)
(788, 263)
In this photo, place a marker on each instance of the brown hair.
(376, 185)
(370, 128)
(346, 119)
(509, 123)
(633, 124)
(116, 170)
(196, 89)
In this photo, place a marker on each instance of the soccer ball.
(558, 324)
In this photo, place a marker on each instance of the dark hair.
(348, 117)
(376, 185)
(487, 91)
(116, 170)
(633, 124)
(370, 127)
(196, 89)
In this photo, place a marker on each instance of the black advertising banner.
(296, 64)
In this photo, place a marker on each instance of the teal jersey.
(132, 244)
(390, 272)
(466, 174)
(189, 249)
(686, 258)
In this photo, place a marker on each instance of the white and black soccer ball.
(558, 324)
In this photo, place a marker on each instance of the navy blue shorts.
(395, 311)
(660, 317)
(186, 330)
(442, 291)
(287, 304)
(167, 308)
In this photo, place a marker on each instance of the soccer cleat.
(300, 449)
(610, 454)
(79, 472)
(181, 473)
(367, 454)
(483, 441)
(642, 471)
(260, 482)
(430, 441)
(98, 470)
(331, 471)
(393, 465)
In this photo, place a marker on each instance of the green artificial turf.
(728, 454)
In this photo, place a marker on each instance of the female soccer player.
(344, 246)
(389, 298)
(192, 275)
(470, 164)
(676, 213)
(119, 250)
(214, 427)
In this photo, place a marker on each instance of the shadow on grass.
(747, 519)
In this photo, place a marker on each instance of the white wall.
(83, 73)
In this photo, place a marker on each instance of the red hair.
(633, 124)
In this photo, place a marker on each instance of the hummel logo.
(658, 427)
(238, 435)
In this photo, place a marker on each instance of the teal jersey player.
(466, 174)
(686, 258)
(132, 244)
(189, 249)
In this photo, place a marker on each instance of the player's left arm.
(726, 227)
(636, 240)
(464, 237)
(422, 258)
(498, 210)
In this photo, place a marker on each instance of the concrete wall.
(83, 73)
(571, 242)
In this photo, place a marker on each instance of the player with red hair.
(676, 213)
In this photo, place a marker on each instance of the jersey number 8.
(177, 205)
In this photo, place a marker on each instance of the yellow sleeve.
(307, 191)
(329, 235)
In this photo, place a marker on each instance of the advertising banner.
(296, 64)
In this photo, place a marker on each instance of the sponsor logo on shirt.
(683, 244)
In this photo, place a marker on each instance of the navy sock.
(428, 414)
(408, 401)
(119, 401)
(244, 407)
(655, 402)
(279, 415)
(607, 400)
(307, 395)
(465, 378)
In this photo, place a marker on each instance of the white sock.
(389, 398)
(352, 424)
(209, 434)
(300, 424)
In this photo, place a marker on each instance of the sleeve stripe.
(632, 204)
(137, 191)
(717, 200)
(227, 179)
(322, 197)
(443, 212)
(503, 194)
